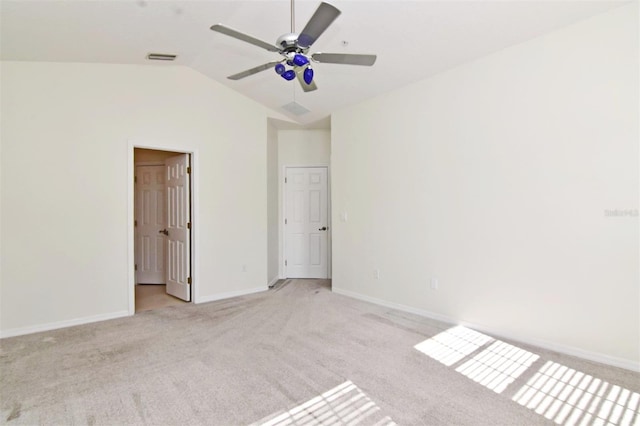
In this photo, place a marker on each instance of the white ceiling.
(413, 39)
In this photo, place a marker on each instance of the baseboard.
(567, 350)
(61, 324)
(563, 349)
(397, 306)
(230, 294)
(273, 281)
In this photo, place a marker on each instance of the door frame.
(179, 148)
(283, 212)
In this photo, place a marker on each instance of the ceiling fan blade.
(320, 21)
(305, 87)
(244, 37)
(344, 58)
(252, 71)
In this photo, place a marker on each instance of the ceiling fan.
(294, 47)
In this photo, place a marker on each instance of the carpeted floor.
(299, 354)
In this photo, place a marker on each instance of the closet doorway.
(162, 228)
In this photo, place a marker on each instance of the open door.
(149, 224)
(178, 231)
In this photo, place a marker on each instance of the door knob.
(324, 228)
(164, 231)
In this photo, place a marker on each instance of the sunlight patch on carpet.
(492, 363)
(452, 345)
(345, 404)
(570, 397)
(557, 392)
(498, 365)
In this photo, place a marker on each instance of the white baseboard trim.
(273, 281)
(230, 294)
(567, 350)
(397, 306)
(61, 324)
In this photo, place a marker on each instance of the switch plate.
(434, 283)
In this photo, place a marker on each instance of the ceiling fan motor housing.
(289, 43)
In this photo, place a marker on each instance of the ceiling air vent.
(295, 108)
(161, 57)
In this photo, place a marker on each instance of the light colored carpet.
(299, 354)
(154, 296)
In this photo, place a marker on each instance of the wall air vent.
(295, 108)
(161, 57)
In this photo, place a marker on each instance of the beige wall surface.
(272, 204)
(67, 130)
(304, 147)
(495, 178)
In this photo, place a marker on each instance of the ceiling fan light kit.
(294, 47)
(300, 60)
(308, 75)
(280, 69)
(289, 75)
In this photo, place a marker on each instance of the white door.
(149, 222)
(178, 273)
(306, 225)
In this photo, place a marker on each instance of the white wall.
(494, 177)
(310, 147)
(65, 140)
(304, 147)
(272, 204)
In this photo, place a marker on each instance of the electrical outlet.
(344, 217)
(376, 274)
(434, 283)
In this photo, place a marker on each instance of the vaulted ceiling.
(413, 39)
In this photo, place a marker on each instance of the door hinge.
(285, 221)
(136, 267)
(135, 223)
(189, 280)
(188, 170)
(135, 179)
(285, 263)
(285, 180)
(188, 225)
